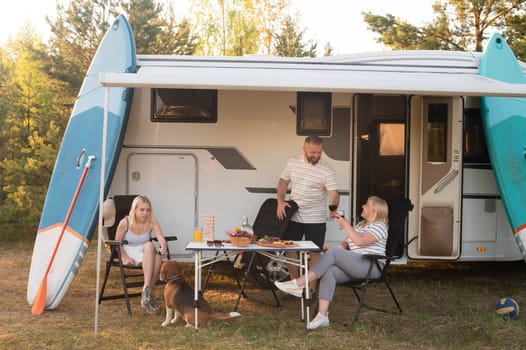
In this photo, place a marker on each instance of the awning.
(416, 77)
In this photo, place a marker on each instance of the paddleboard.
(82, 139)
(504, 121)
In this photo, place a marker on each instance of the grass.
(446, 306)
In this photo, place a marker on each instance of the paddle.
(39, 302)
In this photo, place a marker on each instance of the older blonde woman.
(340, 265)
(137, 229)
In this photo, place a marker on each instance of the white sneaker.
(318, 322)
(290, 287)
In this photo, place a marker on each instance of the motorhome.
(211, 136)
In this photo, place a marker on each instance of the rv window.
(184, 105)
(392, 139)
(313, 113)
(437, 115)
(475, 150)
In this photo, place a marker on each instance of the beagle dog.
(179, 299)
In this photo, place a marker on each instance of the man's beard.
(313, 161)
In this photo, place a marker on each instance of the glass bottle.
(245, 226)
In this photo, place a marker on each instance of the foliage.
(227, 27)
(80, 28)
(43, 79)
(75, 35)
(290, 41)
(241, 27)
(459, 25)
(37, 82)
(328, 50)
(156, 34)
(271, 14)
(515, 34)
(32, 124)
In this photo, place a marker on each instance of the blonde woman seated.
(137, 229)
(340, 265)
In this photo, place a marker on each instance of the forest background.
(39, 79)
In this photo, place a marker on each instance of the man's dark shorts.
(313, 232)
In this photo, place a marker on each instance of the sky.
(339, 22)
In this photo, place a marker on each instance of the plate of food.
(275, 242)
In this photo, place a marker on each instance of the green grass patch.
(445, 306)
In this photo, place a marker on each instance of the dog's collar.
(174, 278)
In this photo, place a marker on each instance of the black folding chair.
(263, 270)
(132, 277)
(398, 212)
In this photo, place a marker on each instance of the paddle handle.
(39, 302)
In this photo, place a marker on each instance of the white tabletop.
(298, 246)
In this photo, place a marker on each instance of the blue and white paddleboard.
(504, 122)
(82, 139)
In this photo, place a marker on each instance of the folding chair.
(131, 276)
(264, 271)
(398, 212)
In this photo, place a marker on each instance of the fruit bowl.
(240, 241)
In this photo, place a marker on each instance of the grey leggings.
(338, 266)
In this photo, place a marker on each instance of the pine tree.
(291, 42)
(460, 25)
(31, 124)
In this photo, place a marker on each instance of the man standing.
(312, 180)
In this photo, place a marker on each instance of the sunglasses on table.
(215, 243)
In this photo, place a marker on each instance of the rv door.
(435, 168)
(170, 181)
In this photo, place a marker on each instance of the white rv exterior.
(401, 124)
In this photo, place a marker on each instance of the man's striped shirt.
(309, 185)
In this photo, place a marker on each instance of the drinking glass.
(342, 215)
(198, 235)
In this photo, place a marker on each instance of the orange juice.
(198, 235)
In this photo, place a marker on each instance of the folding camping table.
(226, 250)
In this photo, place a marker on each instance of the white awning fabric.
(413, 75)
